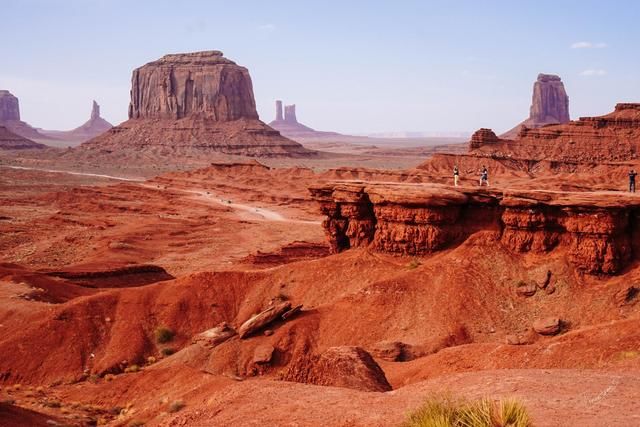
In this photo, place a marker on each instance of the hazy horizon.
(361, 67)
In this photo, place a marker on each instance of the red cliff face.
(594, 229)
(200, 83)
(481, 137)
(9, 106)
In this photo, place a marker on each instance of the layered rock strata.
(10, 117)
(598, 230)
(612, 137)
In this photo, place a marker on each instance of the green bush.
(448, 412)
(164, 335)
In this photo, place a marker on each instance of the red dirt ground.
(92, 267)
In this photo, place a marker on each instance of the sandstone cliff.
(194, 104)
(597, 230)
(549, 105)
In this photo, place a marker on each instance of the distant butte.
(549, 105)
(289, 126)
(93, 127)
(194, 104)
(12, 141)
(10, 117)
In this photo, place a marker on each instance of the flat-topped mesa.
(598, 231)
(9, 106)
(203, 84)
(481, 137)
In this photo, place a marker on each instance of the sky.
(349, 66)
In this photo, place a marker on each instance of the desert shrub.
(135, 424)
(151, 360)
(448, 412)
(629, 354)
(109, 377)
(168, 351)
(415, 263)
(164, 335)
(176, 406)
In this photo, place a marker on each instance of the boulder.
(215, 336)
(524, 289)
(388, 350)
(263, 318)
(547, 326)
(263, 354)
(346, 366)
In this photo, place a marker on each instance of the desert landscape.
(196, 266)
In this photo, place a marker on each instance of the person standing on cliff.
(632, 180)
(456, 175)
(484, 176)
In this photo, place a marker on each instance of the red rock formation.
(612, 137)
(11, 141)
(279, 111)
(594, 228)
(549, 105)
(290, 114)
(10, 117)
(481, 137)
(194, 104)
(93, 127)
(186, 84)
(9, 106)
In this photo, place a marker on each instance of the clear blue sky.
(350, 66)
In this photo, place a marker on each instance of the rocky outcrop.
(595, 229)
(93, 127)
(194, 104)
(346, 366)
(11, 141)
(481, 137)
(10, 118)
(549, 105)
(9, 106)
(290, 114)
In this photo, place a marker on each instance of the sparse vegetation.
(176, 406)
(151, 360)
(164, 335)
(448, 412)
(415, 263)
(168, 351)
(132, 368)
(629, 354)
(135, 424)
(109, 377)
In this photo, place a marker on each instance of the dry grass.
(176, 406)
(448, 412)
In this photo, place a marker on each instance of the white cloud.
(588, 45)
(592, 72)
(267, 28)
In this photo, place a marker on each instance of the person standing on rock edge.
(484, 176)
(632, 180)
(456, 175)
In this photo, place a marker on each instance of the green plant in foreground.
(447, 412)
(164, 335)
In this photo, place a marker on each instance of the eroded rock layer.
(598, 230)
